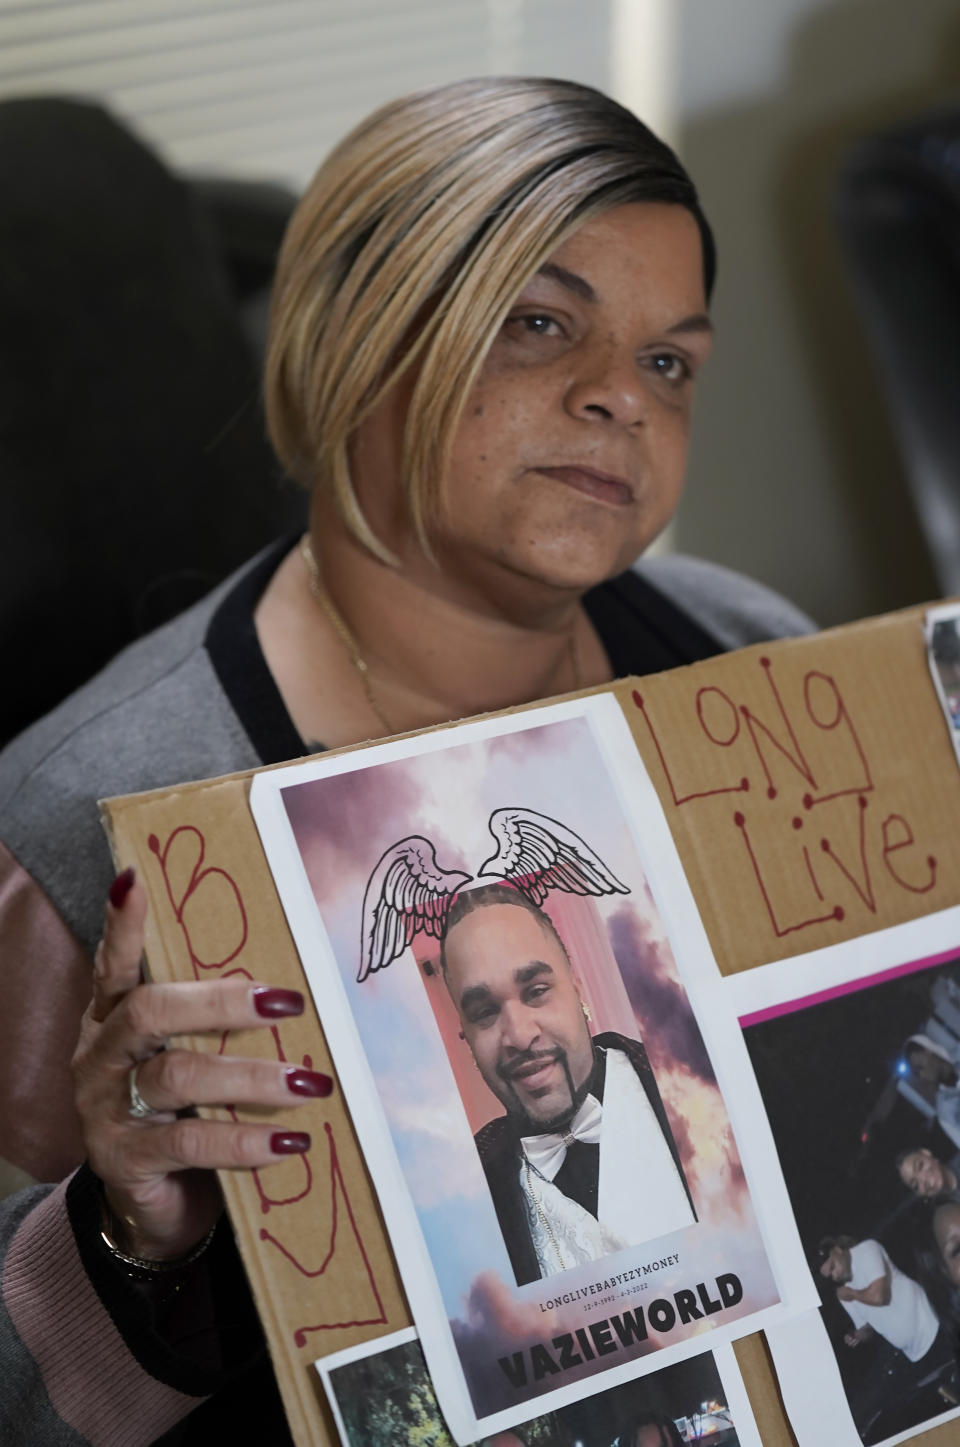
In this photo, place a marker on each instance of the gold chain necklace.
(343, 632)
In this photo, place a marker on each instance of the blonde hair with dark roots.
(409, 246)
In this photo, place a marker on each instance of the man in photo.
(927, 1175)
(879, 1298)
(583, 1163)
(937, 1066)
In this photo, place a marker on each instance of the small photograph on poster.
(861, 1083)
(943, 655)
(381, 1396)
(479, 915)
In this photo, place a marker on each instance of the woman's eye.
(671, 367)
(535, 324)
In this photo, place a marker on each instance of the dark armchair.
(134, 469)
(899, 217)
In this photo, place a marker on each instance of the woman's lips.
(601, 485)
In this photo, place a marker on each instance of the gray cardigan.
(158, 715)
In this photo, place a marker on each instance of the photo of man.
(584, 1161)
(848, 1131)
(479, 919)
(881, 1300)
(933, 1063)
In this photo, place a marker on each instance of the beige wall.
(794, 476)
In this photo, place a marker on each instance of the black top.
(499, 1148)
(641, 630)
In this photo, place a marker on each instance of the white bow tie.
(547, 1153)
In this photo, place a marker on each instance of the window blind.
(263, 88)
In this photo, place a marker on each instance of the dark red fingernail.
(273, 1004)
(289, 1142)
(122, 886)
(308, 1082)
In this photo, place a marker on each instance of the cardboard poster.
(859, 1075)
(381, 1395)
(499, 937)
(810, 790)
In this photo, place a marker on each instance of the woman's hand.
(158, 1169)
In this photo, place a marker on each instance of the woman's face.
(570, 454)
(946, 1229)
(922, 1173)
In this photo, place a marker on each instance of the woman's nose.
(609, 386)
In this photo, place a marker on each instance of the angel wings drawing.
(408, 891)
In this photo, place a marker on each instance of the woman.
(934, 1225)
(924, 1174)
(946, 1233)
(936, 1230)
(490, 312)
